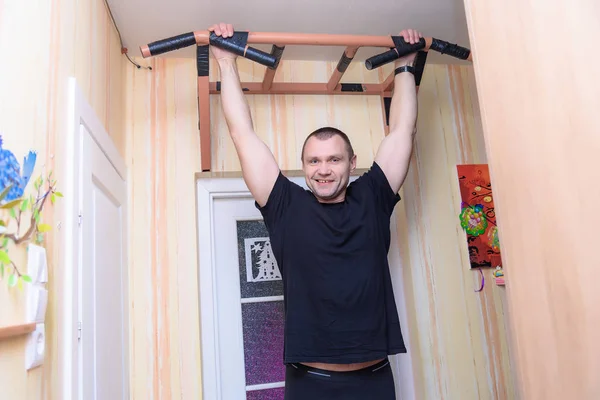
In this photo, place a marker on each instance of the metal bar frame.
(268, 86)
(333, 86)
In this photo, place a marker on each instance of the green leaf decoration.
(4, 258)
(44, 185)
(24, 205)
(38, 183)
(44, 227)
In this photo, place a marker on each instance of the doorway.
(241, 297)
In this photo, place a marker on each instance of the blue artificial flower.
(11, 174)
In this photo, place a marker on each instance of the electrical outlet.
(37, 300)
(35, 349)
(37, 265)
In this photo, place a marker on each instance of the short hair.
(328, 132)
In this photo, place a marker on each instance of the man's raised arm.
(393, 155)
(259, 167)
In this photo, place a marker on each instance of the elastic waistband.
(324, 372)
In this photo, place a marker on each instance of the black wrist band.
(404, 68)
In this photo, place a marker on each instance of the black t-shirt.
(338, 298)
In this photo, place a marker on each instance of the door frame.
(71, 235)
(214, 186)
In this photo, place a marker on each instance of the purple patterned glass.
(263, 342)
(259, 273)
(266, 394)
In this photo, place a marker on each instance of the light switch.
(35, 348)
(37, 300)
(37, 265)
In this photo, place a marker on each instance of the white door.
(242, 299)
(103, 271)
(95, 338)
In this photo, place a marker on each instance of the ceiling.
(143, 21)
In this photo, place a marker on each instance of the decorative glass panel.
(263, 342)
(259, 273)
(266, 394)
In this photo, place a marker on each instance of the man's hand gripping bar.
(403, 48)
(236, 44)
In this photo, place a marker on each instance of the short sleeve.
(376, 181)
(277, 203)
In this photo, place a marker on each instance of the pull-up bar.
(238, 44)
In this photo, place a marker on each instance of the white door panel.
(95, 336)
(102, 271)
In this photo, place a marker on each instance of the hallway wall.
(42, 44)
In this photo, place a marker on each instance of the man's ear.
(353, 163)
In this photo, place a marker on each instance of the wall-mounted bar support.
(419, 65)
(277, 52)
(304, 88)
(202, 62)
(342, 66)
(388, 84)
(386, 101)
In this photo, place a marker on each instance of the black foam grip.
(202, 63)
(344, 63)
(381, 59)
(237, 45)
(419, 65)
(261, 57)
(277, 52)
(405, 48)
(402, 48)
(451, 49)
(172, 43)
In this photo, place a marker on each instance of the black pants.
(306, 383)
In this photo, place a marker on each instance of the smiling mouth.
(323, 181)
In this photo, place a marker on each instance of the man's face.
(327, 168)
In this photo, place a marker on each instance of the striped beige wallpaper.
(42, 44)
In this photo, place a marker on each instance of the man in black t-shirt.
(331, 242)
